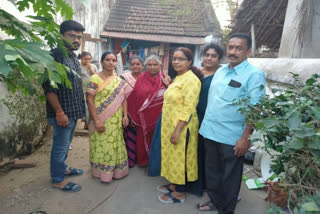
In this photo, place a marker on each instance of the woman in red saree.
(146, 103)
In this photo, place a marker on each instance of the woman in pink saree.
(130, 133)
(146, 101)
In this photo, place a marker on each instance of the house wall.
(306, 45)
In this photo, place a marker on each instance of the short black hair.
(242, 36)
(214, 46)
(71, 25)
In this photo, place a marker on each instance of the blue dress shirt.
(222, 121)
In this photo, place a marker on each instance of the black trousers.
(223, 175)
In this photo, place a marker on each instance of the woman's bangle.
(60, 113)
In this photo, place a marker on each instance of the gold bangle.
(60, 113)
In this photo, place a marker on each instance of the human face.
(153, 67)
(180, 62)
(86, 60)
(136, 66)
(109, 63)
(237, 51)
(211, 59)
(74, 37)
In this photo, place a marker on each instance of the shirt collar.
(239, 67)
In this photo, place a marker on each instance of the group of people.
(187, 129)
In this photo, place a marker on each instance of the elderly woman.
(130, 133)
(146, 101)
(179, 129)
(108, 110)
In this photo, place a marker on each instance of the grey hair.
(154, 57)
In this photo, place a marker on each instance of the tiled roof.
(152, 17)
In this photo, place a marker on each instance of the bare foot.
(171, 187)
(61, 184)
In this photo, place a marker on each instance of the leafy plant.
(24, 60)
(290, 124)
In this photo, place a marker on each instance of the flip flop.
(165, 186)
(208, 204)
(74, 172)
(70, 187)
(173, 199)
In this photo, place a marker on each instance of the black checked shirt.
(71, 100)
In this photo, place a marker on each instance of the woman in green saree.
(108, 109)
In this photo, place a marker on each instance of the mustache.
(76, 43)
(231, 55)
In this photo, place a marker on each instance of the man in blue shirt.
(223, 127)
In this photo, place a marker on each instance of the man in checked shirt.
(65, 106)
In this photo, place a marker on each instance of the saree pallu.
(130, 132)
(108, 155)
(145, 107)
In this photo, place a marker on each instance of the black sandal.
(208, 204)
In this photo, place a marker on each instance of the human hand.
(175, 137)
(99, 126)
(166, 80)
(125, 122)
(88, 65)
(62, 120)
(242, 146)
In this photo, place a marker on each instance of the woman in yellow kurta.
(179, 129)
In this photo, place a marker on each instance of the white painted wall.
(307, 46)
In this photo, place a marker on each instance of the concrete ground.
(27, 190)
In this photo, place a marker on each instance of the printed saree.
(108, 155)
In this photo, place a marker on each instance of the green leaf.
(269, 122)
(294, 121)
(295, 144)
(311, 81)
(314, 143)
(305, 132)
(259, 125)
(291, 110)
(316, 112)
(310, 207)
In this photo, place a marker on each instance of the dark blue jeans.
(62, 137)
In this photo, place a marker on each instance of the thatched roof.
(268, 18)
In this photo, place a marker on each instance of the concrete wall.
(278, 70)
(307, 44)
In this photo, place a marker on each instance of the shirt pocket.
(231, 94)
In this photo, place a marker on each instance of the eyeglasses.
(179, 59)
(73, 36)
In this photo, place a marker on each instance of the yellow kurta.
(180, 102)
